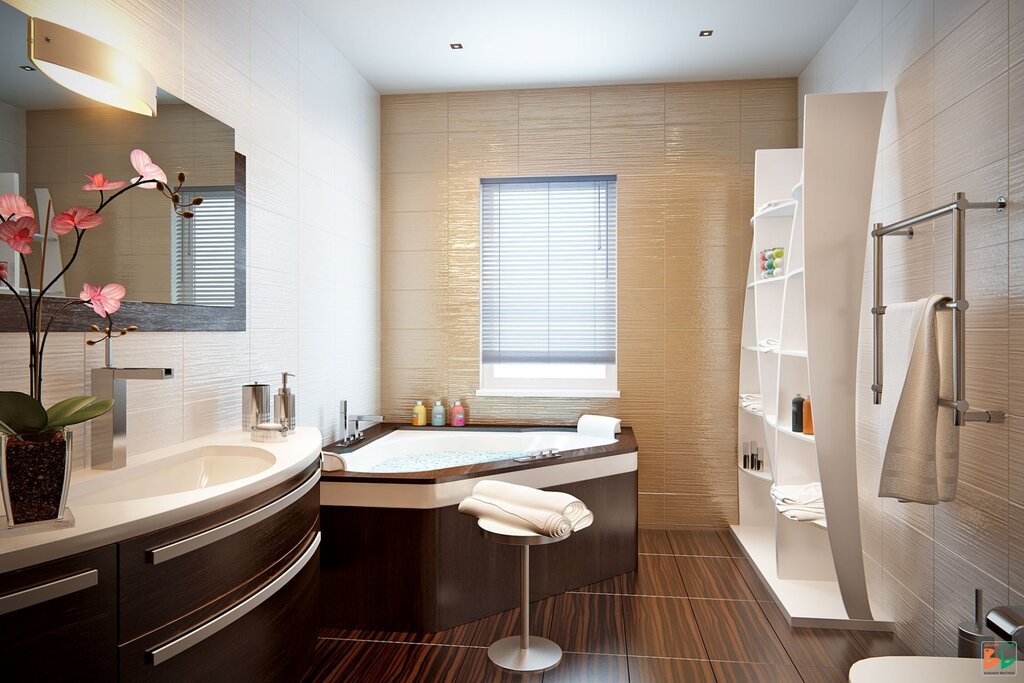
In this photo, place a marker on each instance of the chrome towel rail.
(959, 304)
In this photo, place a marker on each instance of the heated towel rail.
(958, 209)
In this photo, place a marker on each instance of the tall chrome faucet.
(350, 424)
(109, 442)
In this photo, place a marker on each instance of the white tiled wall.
(954, 71)
(309, 125)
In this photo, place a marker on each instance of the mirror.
(179, 272)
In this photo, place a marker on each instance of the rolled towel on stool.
(570, 507)
(520, 516)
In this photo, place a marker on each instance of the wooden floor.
(693, 611)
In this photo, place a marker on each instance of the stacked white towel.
(751, 402)
(767, 344)
(550, 513)
(800, 502)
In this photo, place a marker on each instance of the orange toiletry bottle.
(808, 420)
(419, 414)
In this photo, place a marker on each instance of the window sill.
(549, 393)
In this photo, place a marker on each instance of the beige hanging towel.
(920, 445)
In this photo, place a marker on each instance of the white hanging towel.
(920, 445)
(599, 426)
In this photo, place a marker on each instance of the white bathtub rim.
(335, 493)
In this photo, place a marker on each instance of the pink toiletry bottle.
(458, 414)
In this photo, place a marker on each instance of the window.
(203, 249)
(548, 286)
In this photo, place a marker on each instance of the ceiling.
(402, 45)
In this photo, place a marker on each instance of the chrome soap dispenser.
(284, 404)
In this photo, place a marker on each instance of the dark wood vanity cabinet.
(58, 620)
(232, 594)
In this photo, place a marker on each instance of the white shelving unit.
(812, 202)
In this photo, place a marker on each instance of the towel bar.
(962, 414)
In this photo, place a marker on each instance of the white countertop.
(101, 524)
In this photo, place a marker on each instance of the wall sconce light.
(90, 67)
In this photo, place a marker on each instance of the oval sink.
(189, 471)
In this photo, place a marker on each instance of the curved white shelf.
(796, 272)
(783, 429)
(773, 208)
(798, 191)
(792, 353)
(764, 475)
(770, 281)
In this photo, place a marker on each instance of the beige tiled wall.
(954, 121)
(309, 126)
(684, 154)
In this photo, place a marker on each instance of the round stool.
(523, 652)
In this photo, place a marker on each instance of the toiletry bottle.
(437, 414)
(808, 419)
(760, 459)
(284, 403)
(746, 455)
(798, 414)
(419, 414)
(458, 414)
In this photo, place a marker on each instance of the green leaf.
(58, 412)
(94, 409)
(6, 429)
(21, 413)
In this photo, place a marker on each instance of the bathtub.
(397, 555)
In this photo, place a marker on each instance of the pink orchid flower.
(103, 300)
(146, 169)
(14, 206)
(98, 181)
(79, 217)
(3, 270)
(18, 235)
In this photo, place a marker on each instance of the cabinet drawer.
(58, 620)
(168, 575)
(265, 632)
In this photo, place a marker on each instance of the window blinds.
(548, 270)
(203, 251)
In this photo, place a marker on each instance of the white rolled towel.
(599, 425)
(332, 462)
(570, 507)
(518, 516)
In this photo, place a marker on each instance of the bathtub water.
(406, 450)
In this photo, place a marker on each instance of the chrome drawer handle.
(217, 533)
(49, 591)
(197, 635)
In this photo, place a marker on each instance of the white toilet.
(919, 670)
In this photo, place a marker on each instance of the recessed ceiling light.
(455, 46)
(27, 68)
(705, 33)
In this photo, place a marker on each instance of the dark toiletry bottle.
(746, 455)
(798, 413)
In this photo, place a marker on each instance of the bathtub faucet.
(350, 424)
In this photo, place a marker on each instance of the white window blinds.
(203, 250)
(548, 270)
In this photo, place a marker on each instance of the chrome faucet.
(109, 442)
(350, 424)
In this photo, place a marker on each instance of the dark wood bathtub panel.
(427, 570)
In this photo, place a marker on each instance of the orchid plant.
(22, 416)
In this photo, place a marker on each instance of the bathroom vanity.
(174, 586)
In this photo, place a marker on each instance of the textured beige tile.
(481, 154)
(971, 55)
(627, 105)
(632, 149)
(698, 146)
(414, 113)
(414, 153)
(1014, 207)
(914, 619)
(554, 151)
(906, 39)
(949, 14)
(911, 100)
(707, 101)
(413, 231)
(483, 111)
(955, 580)
(975, 526)
(908, 165)
(973, 131)
(557, 108)
(907, 555)
(769, 100)
(413, 191)
(755, 135)
(1016, 116)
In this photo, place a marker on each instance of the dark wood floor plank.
(654, 541)
(661, 627)
(654, 575)
(713, 577)
(737, 631)
(478, 668)
(732, 546)
(459, 635)
(663, 670)
(348, 661)
(814, 647)
(823, 675)
(752, 579)
(704, 542)
(577, 668)
(582, 622)
(756, 672)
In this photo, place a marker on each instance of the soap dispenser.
(437, 414)
(284, 403)
(419, 414)
(458, 414)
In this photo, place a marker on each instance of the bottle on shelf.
(437, 415)
(419, 414)
(746, 455)
(458, 414)
(798, 414)
(808, 418)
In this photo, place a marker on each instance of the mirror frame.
(153, 317)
